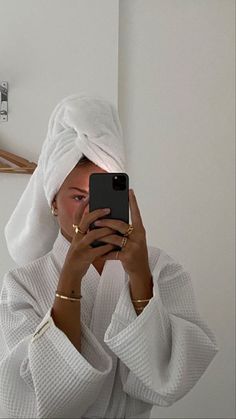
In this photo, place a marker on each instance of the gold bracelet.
(68, 298)
(140, 301)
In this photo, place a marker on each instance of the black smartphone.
(109, 190)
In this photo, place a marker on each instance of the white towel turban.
(79, 125)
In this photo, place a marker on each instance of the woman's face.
(73, 191)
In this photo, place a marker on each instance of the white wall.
(176, 103)
(49, 49)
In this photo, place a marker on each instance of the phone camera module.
(119, 182)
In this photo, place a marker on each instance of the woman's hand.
(81, 254)
(134, 256)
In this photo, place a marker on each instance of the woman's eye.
(79, 196)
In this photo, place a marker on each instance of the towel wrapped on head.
(79, 125)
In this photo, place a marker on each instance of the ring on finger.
(124, 241)
(129, 231)
(77, 229)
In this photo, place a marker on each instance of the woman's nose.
(86, 211)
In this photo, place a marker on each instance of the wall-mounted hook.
(4, 101)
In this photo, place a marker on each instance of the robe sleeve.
(168, 347)
(42, 374)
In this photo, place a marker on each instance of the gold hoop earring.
(53, 211)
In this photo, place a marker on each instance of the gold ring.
(77, 229)
(129, 231)
(124, 241)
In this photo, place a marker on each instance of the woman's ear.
(54, 207)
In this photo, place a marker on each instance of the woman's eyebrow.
(79, 189)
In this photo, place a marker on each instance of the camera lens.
(119, 182)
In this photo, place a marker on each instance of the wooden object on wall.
(24, 166)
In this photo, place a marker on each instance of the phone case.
(103, 194)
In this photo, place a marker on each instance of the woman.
(92, 332)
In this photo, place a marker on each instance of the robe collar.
(60, 249)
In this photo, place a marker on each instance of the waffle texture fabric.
(128, 362)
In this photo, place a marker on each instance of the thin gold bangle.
(140, 301)
(68, 298)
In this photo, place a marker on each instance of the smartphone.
(109, 190)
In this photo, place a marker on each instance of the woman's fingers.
(97, 234)
(90, 218)
(102, 250)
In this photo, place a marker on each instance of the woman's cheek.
(69, 210)
(73, 208)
